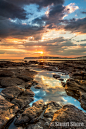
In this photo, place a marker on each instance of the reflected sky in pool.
(1, 89)
(52, 89)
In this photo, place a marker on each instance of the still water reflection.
(52, 89)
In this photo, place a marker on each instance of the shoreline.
(16, 93)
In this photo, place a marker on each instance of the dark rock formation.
(30, 115)
(7, 82)
(77, 89)
(6, 73)
(25, 78)
(12, 92)
(38, 87)
(70, 115)
(52, 107)
(7, 111)
(56, 76)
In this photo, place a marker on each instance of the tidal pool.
(52, 88)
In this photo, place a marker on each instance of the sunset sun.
(39, 52)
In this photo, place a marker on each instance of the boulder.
(25, 78)
(22, 102)
(11, 92)
(30, 115)
(6, 73)
(56, 76)
(77, 89)
(38, 87)
(28, 85)
(7, 82)
(61, 79)
(67, 116)
(83, 99)
(35, 83)
(7, 111)
(26, 74)
(52, 107)
(79, 75)
(72, 89)
(24, 99)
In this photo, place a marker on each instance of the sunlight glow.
(39, 52)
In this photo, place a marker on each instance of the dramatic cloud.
(54, 27)
(55, 14)
(9, 10)
(41, 3)
(78, 25)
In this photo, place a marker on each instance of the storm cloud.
(78, 25)
(9, 10)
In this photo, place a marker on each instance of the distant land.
(49, 57)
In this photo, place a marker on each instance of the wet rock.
(7, 82)
(33, 62)
(38, 104)
(52, 107)
(18, 96)
(56, 76)
(35, 83)
(22, 102)
(6, 73)
(26, 74)
(25, 78)
(38, 87)
(72, 89)
(7, 111)
(28, 85)
(30, 115)
(69, 113)
(83, 99)
(28, 92)
(41, 63)
(11, 92)
(77, 89)
(60, 79)
(50, 68)
(63, 84)
(23, 99)
(79, 75)
(34, 126)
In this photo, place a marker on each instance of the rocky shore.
(16, 80)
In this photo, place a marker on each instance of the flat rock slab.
(7, 82)
(12, 92)
(22, 102)
(25, 78)
(6, 73)
(79, 75)
(26, 73)
(69, 113)
(7, 111)
(30, 114)
(18, 96)
(24, 98)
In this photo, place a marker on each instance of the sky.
(31, 28)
